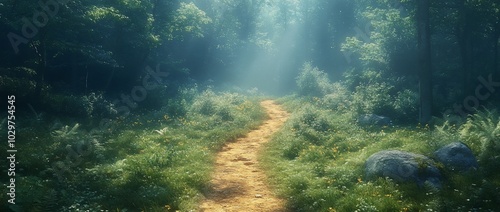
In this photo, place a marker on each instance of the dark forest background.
(123, 105)
(443, 50)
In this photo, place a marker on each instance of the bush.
(373, 92)
(340, 99)
(152, 160)
(313, 82)
(405, 105)
(329, 175)
(219, 105)
(83, 106)
(373, 98)
(310, 117)
(205, 103)
(19, 79)
(482, 133)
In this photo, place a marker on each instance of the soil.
(238, 183)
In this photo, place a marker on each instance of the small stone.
(258, 196)
(374, 120)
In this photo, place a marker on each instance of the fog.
(273, 41)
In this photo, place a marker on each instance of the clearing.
(238, 184)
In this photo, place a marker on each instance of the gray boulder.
(403, 167)
(374, 120)
(456, 157)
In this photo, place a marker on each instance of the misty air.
(250, 105)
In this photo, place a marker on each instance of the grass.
(316, 162)
(150, 161)
(161, 160)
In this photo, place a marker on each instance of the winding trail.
(238, 184)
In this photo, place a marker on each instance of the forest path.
(238, 184)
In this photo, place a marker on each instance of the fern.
(482, 130)
(66, 132)
(444, 134)
(162, 131)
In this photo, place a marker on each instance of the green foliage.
(310, 117)
(312, 82)
(19, 79)
(482, 133)
(93, 105)
(206, 105)
(188, 19)
(375, 92)
(366, 92)
(444, 134)
(310, 124)
(340, 99)
(389, 34)
(372, 98)
(97, 14)
(370, 53)
(148, 161)
(325, 172)
(66, 132)
(405, 106)
(179, 106)
(219, 106)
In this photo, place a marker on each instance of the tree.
(424, 55)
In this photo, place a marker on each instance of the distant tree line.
(437, 48)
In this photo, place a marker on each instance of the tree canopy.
(80, 46)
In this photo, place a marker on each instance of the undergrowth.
(316, 162)
(150, 160)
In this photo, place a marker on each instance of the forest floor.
(238, 183)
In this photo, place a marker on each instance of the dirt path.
(238, 184)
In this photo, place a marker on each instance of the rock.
(374, 120)
(403, 167)
(456, 157)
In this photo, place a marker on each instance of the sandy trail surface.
(238, 184)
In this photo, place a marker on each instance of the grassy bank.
(317, 162)
(150, 160)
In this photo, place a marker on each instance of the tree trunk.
(495, 48)
(424, 54)
(465, 43)
(74, 74)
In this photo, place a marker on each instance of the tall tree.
(424, 54)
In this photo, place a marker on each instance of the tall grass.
(317, 162)
(156, 160)
(482, 133)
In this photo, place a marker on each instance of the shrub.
(405, 105)
(221, 106)
(373, 98)
(375, 92)
(83, 106)
(311, 124)
(482, 133)
(310, 118)
(329, 176)
(312, 82)
(19, 79)
(340, 99)
(150, 160)
(205, 103)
